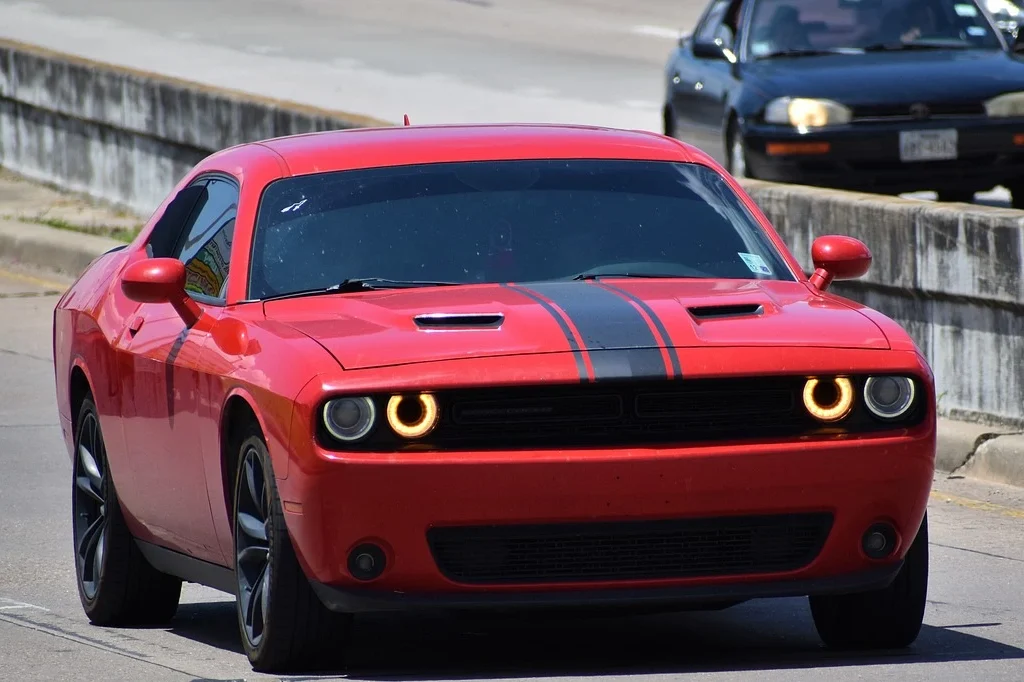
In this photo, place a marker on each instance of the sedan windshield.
(506, 221)
(795, 27)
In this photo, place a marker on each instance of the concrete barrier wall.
(126, 136)
(951, 274)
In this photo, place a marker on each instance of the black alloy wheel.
(116, 584)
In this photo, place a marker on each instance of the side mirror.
(709, 49)
(160, 280)
(838, 257)
(1017, 41)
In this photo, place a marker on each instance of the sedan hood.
(890, 77)
(393, 327)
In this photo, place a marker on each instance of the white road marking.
(11, 605)
(657, 31)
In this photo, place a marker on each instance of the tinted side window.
(205, 245)
(712, 27)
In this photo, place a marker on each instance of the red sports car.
(486, 366)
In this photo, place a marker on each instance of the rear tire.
(116, 585)
(284, 625)
(889, 618)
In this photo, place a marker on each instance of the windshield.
(781, 26)
(506, 221)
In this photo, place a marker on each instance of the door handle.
(135, 325)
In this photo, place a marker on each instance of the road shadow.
(775, 634)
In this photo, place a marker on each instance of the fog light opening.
(879, 541)
(366, 562)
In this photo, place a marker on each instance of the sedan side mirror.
(160, 280)
(838, 257)
(1017, 41)
(709, 49)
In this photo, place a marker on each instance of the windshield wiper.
(367, 283)
(651, 275)
(917, 45)
(810, 52)
(360, 284)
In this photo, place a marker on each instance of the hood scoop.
(459, 320)
(711, 312)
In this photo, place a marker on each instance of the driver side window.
(718, 25)
(204, 245)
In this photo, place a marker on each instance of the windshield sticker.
(966, 10)
(976, 30)
(756, 263)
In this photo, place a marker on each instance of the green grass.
(123, 234)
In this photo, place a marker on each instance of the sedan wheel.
(284, 625)
(116, 585)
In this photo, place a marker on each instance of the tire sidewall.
(255, 441)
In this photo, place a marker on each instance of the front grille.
(890, 111)
(628, 414)
(633, 550)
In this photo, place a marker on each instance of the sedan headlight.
(350, 419)
(889, 397)
(1006, 106)
(804, 113)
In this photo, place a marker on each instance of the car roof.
(403, 145)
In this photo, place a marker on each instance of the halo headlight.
(889, 397)
(829, 400)
(350, 419)
(413, 417)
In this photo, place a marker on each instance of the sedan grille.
(633, 550)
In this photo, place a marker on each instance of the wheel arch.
(79, 387)
(238, 415)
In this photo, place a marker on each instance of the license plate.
(928, 145)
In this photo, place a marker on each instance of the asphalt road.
(974, 623)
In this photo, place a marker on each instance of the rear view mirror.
(160, 280)
(838, 257)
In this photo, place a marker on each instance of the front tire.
(116, 585)
(889, 618)
(284, 625)
(736, 152)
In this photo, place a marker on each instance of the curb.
(63, 252)
(964, 449)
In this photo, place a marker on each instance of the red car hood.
(379, 328)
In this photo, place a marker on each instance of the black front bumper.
(866, 157)
(354, 600)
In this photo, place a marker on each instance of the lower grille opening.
(633, 550)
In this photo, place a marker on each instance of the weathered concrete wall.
(950, 274)
(126, 136)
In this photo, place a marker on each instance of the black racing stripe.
(577, 352)
(673, 355)
(606, 321)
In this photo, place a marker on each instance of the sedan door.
(159, 363)
(701, 77)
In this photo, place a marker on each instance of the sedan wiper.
(917, 45)
(810, 52)
(360, 284)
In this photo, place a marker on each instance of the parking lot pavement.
(974, 623)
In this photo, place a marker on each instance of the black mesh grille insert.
(634, 550)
